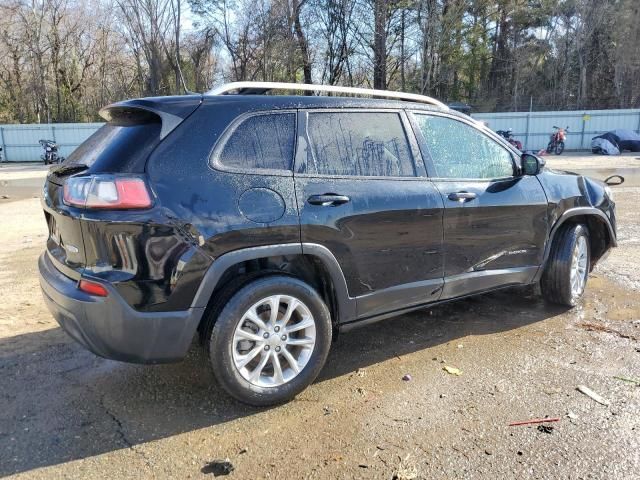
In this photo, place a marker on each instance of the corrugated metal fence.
(533, 129)
(20, 142)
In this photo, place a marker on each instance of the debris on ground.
(4, 197)
(572, 416)
(452, 370)
(534, 421)
(243, 450)
(593, 395)
(218, 467)
(407, 378)
(596, 327)
(545, 428)
(327, 410)
(361, 372)
(405, 472)
(625, 379)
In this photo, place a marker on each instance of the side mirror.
(531, 164)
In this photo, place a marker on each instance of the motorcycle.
(50, 155)
(556, 141)
(508, 136)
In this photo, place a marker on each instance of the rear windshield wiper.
(69, 169)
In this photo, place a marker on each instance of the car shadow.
(60, 403)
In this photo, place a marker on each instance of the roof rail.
(257, 88)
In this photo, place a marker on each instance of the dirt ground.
(64, 413)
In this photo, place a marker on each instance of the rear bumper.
(110, 328)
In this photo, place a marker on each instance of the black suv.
(267, 223)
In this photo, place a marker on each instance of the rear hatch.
(121, 146)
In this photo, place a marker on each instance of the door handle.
(462, 196)
(328, 199)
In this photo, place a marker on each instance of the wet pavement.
(65, 413)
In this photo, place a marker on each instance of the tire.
(556, 282)
(559, 148)
(229, 343)
(550, 147)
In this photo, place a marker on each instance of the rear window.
(118, 148)
(262, 142)
(358, 144)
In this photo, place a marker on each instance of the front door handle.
(328, 199)
(462, 196)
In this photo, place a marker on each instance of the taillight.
(106, 192)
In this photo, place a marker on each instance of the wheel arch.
(311, 263)
(601, 233)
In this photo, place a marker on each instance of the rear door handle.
(328, 199)
(462, 196)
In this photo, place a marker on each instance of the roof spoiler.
(171, 111)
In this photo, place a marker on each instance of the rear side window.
(460, 151)
(359, 144)
(261, 142)
(117, 147)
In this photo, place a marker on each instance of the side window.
(358, 143)
(261, 142)
(460, 151)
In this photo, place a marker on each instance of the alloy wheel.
(579, 265)
(274, 340)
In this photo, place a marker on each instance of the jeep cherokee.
(267, 222)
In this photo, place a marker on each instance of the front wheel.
(559, 148)
(550, 147)
(270, 340)
(565, 276)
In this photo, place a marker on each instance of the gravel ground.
(65, 413)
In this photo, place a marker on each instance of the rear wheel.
(559, 148)
(567, 270)
(270, 340)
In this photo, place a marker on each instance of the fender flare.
(346, 304)
(573, 212)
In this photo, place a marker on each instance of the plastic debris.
(534, 421)
(572, 416)
(218, 467)
(407, 377)
(452, 370)
(625, 379)
(593, 395)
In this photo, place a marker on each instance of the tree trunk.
(380, 45)
(302, 42)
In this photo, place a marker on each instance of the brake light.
(106, 192)
(93, 288)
